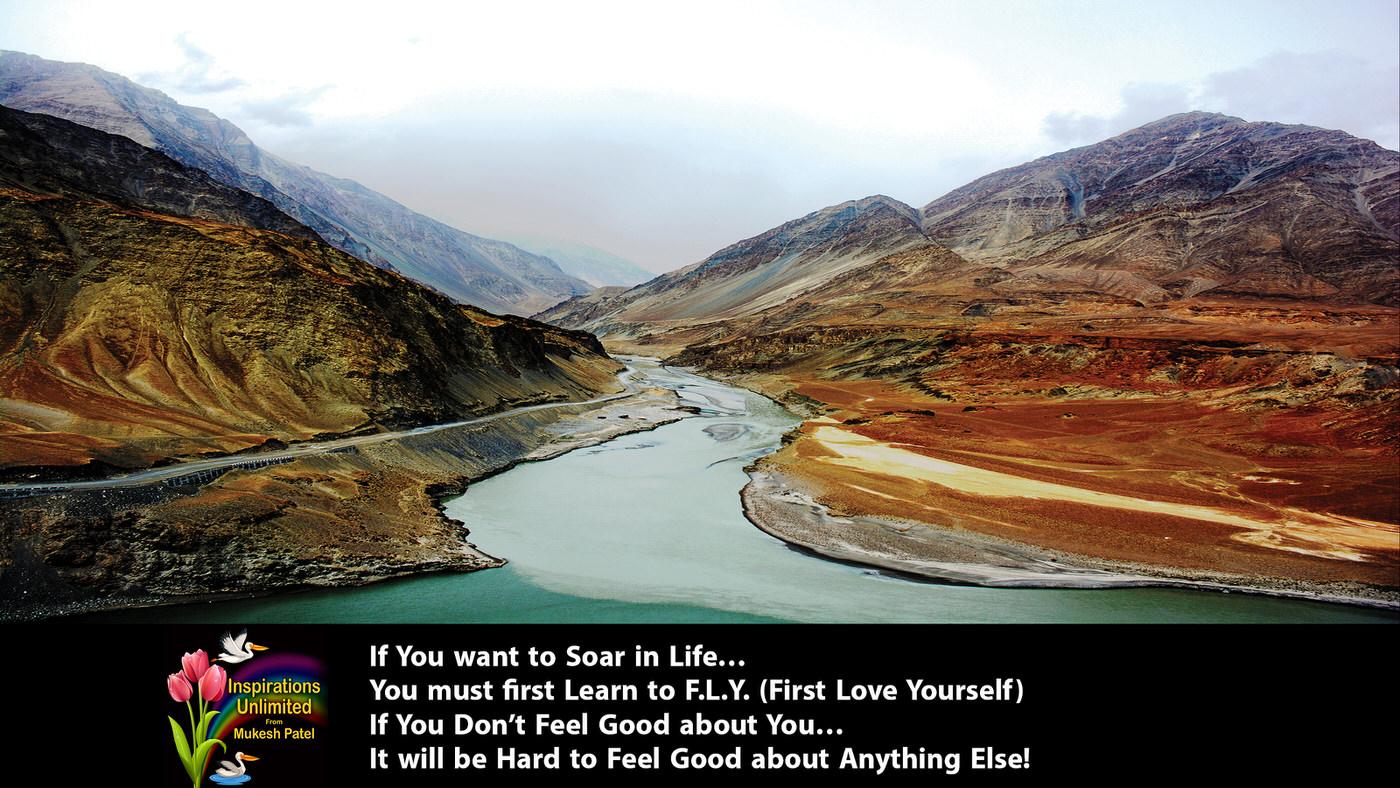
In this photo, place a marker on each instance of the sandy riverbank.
(1027, 492)
(785, 509)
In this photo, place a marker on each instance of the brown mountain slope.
(1246, 443)
(130, 337)
(1194, 207)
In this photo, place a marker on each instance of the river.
(648, 529)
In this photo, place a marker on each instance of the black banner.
(444, 705)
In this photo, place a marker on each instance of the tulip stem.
(204, 764)
(194, 733)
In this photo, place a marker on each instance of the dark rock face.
(479, 271)
(44, 155)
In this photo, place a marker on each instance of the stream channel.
(648, 528)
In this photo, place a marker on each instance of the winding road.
(200, 471)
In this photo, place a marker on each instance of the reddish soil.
(1326, 510)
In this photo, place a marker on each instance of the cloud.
(1329, 89)
(1143, 102)
(196, 75)
(1332, 89)
(200, 74)
(288, 109)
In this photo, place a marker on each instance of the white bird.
(235, 649)
(230, 769)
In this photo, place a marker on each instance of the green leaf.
(182, 747)
(201, 755)
(203, 728)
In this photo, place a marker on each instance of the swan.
(235, 649)
(229, 769)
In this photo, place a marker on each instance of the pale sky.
(665, 131)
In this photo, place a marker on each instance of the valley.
(1276, 468)
(331, 514)
(669, 543)
(1169, 354)
(1168, 358)
(155, 318)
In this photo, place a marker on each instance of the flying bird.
(230, 769)
(236, 649)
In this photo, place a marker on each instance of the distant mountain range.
(1194, 206)
(595, 266)
(491, 274)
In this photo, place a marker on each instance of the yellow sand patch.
(1318, 534)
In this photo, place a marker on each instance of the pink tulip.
(195, 665)
(211, 686)
(179, 687)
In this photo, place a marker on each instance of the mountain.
(1175, 353)
(1194, 203)
(1192, 206)
(759, 273)
(598, 267)
(150, 312)
(45, 155)
(490, 274)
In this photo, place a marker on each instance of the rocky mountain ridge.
(1192, 206)
(130, 337)
(759, 273)
(1093, 254)
(491, 274)
(1193, 203)
(44, 155)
